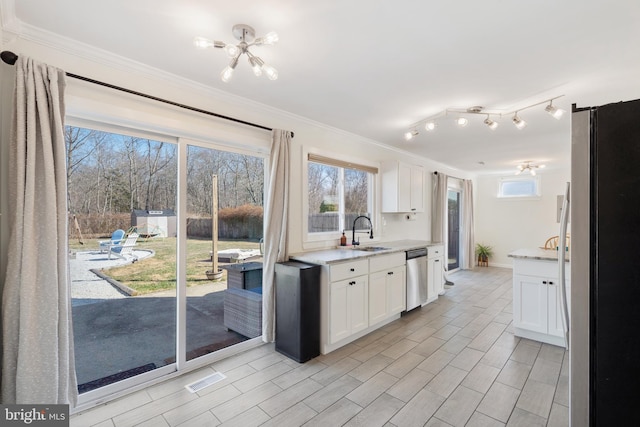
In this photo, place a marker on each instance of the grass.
(158, 273)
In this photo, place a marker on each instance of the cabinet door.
(530, 303)
(358, 296)
(339, 311)
(378, 310)
(438, 275)
(404, 188)
(431, 280)
(417, 189)
(555, 307)
(396, 290)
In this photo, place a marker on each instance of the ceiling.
(376, 68)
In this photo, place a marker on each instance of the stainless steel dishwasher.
(416, 278)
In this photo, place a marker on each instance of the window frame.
(505, 179)
(311, 155)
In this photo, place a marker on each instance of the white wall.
(309, 135)
(508, 224)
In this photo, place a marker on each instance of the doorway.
(453, 228)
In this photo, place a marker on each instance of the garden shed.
(154, 223)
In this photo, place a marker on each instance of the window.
(339, 192)
(515, 187)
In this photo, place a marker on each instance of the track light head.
(462, 121)
(430, 126)
(410, 135)
(555, 112)
(518, 122)
(493, 125)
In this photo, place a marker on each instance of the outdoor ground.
(117, 335)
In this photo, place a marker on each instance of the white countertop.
(330, 256)
(538, 253)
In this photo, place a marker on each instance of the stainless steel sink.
(370, 248)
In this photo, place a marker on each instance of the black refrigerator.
(605, 265)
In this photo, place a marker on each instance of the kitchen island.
(360, 290)
(537, 303)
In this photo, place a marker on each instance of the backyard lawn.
(158, 272)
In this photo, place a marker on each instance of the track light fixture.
(530, 167)
(430, 123)
(246, 35)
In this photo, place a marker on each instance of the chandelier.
(247, 36)
(528, 166)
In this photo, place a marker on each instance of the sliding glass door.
(122, 200)
(453, 228)
(224, 261)
(143, 299)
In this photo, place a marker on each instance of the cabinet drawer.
(345, 270)
(541, 268)
(435, 251)
(386, 262)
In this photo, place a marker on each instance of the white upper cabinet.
(402, 187)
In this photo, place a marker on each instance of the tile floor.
(454, 362)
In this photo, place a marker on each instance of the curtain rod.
(454, 177)
(11, 58)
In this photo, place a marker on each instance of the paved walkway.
(86, 286)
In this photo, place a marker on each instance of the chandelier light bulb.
(202, 43)
(462, 121)
(430, 126)
(271, 72)
(518, 122)
(270, 38)
(532, 172)
(256, 64)
(226, 74)
(232, 50)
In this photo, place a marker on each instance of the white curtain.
(468, 240)
(38, 362)
(439, 210)
(275, 239)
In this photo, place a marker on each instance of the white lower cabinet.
(537, 303)
(360, 296)
(435, 272)
(387, 287)
(349, 302)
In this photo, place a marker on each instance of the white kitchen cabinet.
(537, 309)
(345, 289)
(435, 272)
(402, 187)
(387, 287)
(349, 307)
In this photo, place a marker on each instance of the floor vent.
(205, 382)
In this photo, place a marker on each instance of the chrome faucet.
(353, 236)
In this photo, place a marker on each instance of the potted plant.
(483, 252)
